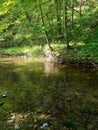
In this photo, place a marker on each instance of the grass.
(33, 51)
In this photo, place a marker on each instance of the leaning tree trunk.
(43, 23)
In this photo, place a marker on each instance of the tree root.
(94, 65)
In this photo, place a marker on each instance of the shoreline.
(65, 62)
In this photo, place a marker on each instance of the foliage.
(30, 23)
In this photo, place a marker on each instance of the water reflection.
(66, 99)
(50, 68)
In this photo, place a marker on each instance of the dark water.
(65, 97)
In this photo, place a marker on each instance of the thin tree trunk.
(80, 4)
(66, 24)
(72, 13)
(43, 23)
(58, 13)
(49, 22)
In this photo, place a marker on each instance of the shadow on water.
(64, 97)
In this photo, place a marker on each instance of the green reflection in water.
(64, 97)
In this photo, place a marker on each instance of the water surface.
(65, 97)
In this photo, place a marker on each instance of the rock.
(1, 103)
(16, 126)
(4, 94)
(45, 126)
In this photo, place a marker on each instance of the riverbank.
(80, 54)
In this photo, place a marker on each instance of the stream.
(64, 97)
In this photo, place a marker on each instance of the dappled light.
(9, 2)
(80, 43)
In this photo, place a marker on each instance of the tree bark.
(80, 4)
(72, 13)
(43, 23)
(66, 23)
(58, 15)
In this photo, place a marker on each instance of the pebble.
(45, 126)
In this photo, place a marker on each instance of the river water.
(62, 96)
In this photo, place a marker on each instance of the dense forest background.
(65, 23)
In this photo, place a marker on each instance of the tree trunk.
(58, 15)
(43, 23)
(66, 24)
(80, 4)
(72, 13)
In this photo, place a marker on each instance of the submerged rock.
(1, 103)
(4, 94)
(45, 126)
(16, 126)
